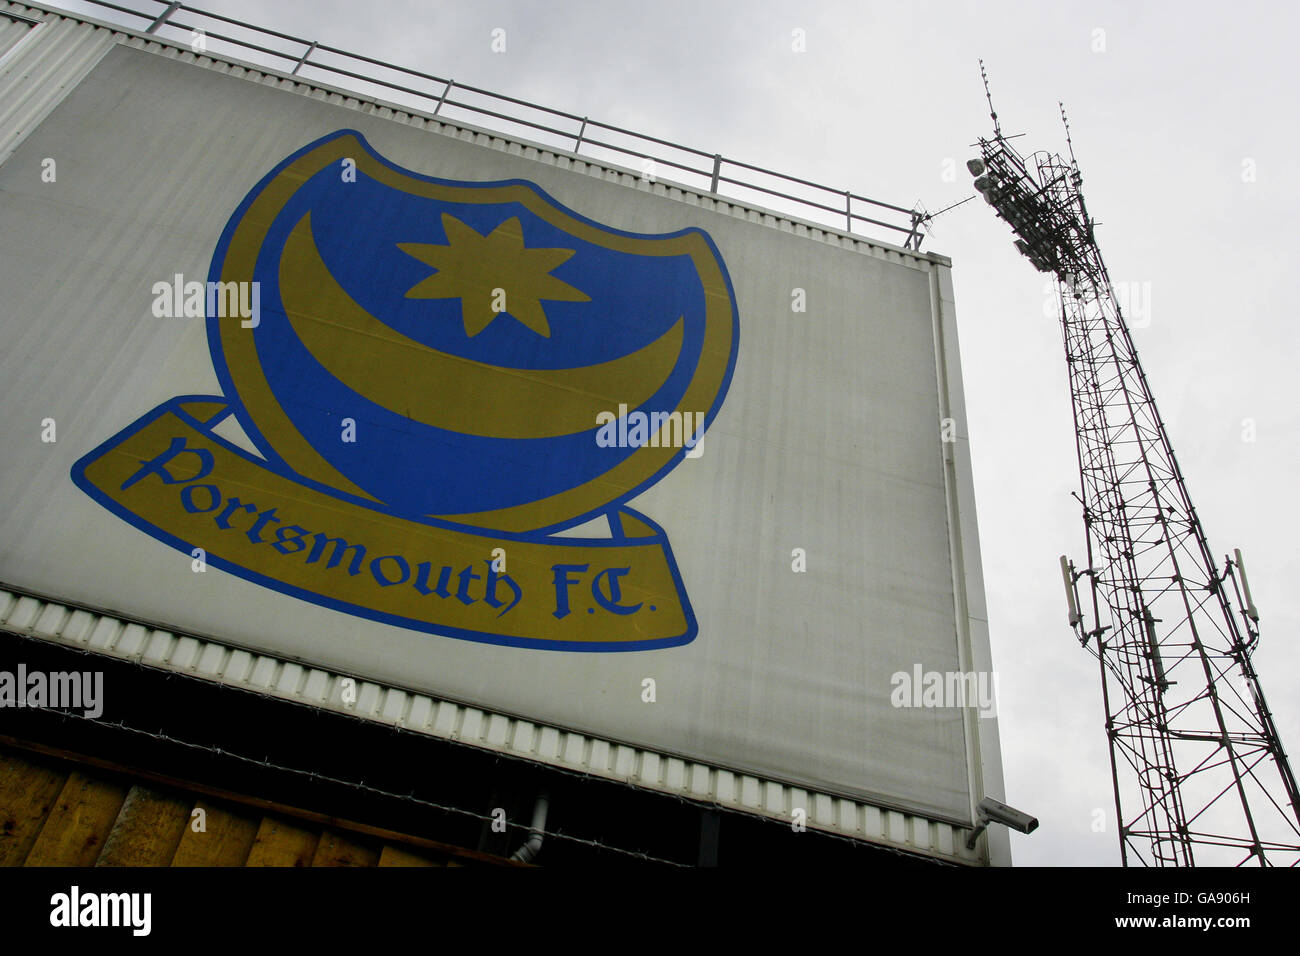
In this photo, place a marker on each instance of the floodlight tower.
(1199, 773)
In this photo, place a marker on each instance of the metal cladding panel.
(11, 31)
(40, 66)
(823, 441)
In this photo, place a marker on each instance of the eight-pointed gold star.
(492, 274)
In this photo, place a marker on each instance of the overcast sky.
(1169, 104)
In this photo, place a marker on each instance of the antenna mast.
(1199, 773)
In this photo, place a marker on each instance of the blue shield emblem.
(475, 333)
(438, 375)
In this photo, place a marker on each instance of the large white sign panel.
(445, 416)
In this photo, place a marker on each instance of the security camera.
(995, 811)
(990, 809)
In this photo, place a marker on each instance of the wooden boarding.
(53, 815)
(78, 824)
(148, 830)
(281, 843)
(399, 856)
(27, 794)
(337, 849)
(227, 840)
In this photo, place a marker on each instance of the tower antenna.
(997, 127)
(1197, 766)
(1065, 121)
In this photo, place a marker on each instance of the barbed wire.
(397, 728)
(353, 784)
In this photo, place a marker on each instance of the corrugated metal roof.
(12, 29)
(167, 650)
(44, 63)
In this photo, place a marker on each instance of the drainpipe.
(533, 845)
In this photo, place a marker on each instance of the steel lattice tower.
(1199, 773)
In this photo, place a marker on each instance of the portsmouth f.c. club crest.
(441, 379)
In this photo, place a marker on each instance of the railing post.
(913, 240)
(299, 65)
(848, 211)
(582, 131)
(442, 99)
(172, 8)
(717, 172)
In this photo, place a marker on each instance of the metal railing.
(367, 77)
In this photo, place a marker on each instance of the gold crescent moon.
(447, 391)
